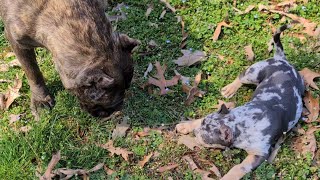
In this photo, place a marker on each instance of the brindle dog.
(94, 63)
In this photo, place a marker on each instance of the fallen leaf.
(287, 3)
(312, 104)
(215, 170)
(247, 10)
(229, 105)
(308, 77)
(149, 69)
(152, 44)
(217, 32)
(53, 162)
(185, 35)
(160, 80)
(193, 91)
(14, 118)
(14, 63)
(121, 129)
(96, 168)
(307, 143)
(108, 170)
(189, 141)
(149, 10)
(184, 80)
(249, 52)
(25, 129)
(116, 150)
(12, 93)
(190, 58)
(204, 174)
(192, 165)
(167, 168)
(300, 36)
(118, 9)
(9, 55)
(167, 4)
(162, 14)
(145, 160)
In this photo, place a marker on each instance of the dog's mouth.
(104, 111)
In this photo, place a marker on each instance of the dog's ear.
(128, 43)
(226, 134)
(95, 83)
(223, 109)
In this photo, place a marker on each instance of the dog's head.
(100, 87)
(213, 131)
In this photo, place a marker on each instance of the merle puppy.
(93, 62)
(275, 108)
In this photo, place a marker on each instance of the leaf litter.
(217, 32)
(309, 77)
(307, 143)
(12, 93)
(193, 91)
(190, 58)
(160, 81)
(121, 129)
(145, 160)
(249, 52)
(312, 105)
(124, 153)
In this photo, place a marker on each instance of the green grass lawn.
(75, 133)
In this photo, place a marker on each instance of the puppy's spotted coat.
(275, 108)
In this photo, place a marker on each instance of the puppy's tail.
(279, 54)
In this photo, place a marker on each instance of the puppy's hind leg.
(252, 75)
(247, 165)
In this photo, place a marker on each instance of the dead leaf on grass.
(167, 4)
(217, 32)
(249, 52)
(309, 76)
(108, 170)
(25, 129)
(185, 35)
(167, 168)
(12, 93)
(312, 104)
(215, 170)
(193, 91)
(149, 69)
(4, 68)
(14, 118)
(53, 162)
(14, 63)
(189, 141)
(184, 80)
(229, 105)
(152, 44)
(160, 80)
(145, 160)
(116, 150)
(9, 55)
(204, 174)
(164, 12)
(247, 10)
(190, 58)
(149, 10)
(307, 143)
(192, 165)
(121, 129)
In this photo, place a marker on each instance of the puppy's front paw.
(184, 128)
(229, 90)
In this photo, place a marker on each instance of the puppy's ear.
(223, 109)
(226, 134)
(128, 43)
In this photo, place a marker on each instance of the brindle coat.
(94, 63)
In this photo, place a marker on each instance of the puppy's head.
(213, 130)
(100, 88)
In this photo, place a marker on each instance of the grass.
(75, 133)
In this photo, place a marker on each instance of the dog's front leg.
(188, 127)
(247, 165)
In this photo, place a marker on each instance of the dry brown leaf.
(160, 80)
(25, 129)
(249, 52)
(217, 32)
(152, 44)
(116, 150)
(287, 3)
(14, 118)
(162, 14)
(309, 76)
(190, 58)
(247, 10)
(149, 10)
(204, 174)
(307, 143)
(4, 68)
(121, 129)
(185, 35)
(13, 92)
(312, 104)
(96, 168)
(167, 4)
(229, 105)
(9, 55)
(14, 63)
(108, 170)
(192, 165)
(193, 91)
(184, 80)
(53, 162)
(215, 170)
(167, 168)
(300, 36)
(145, 160)
(189, 141)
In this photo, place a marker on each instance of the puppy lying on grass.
(275, 109)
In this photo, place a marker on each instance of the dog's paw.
(184, 128)
(229, 90)
(38, 102)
